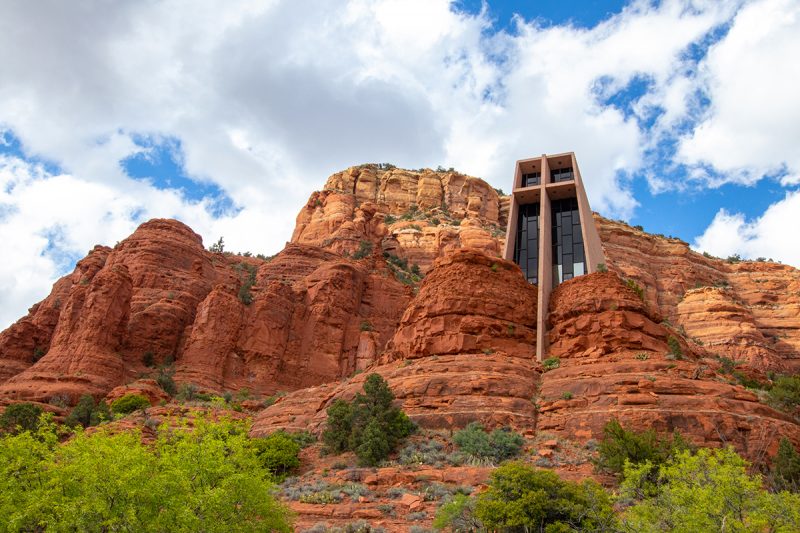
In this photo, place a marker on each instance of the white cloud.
(752, 78)
(773, 235)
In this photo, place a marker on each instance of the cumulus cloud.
(265, 98)
(772, 235)
(751, 78)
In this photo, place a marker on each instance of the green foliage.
(165, 381)
(148, 358)
(21, 417)
(38, 353)
(566, 395)
(785, 471)
(88, 413)
(495, 447)
(218, 247)
(278, 453)
(635, 287)
(601, 267)
(735, 258)
(621, 446)
(370, 426)
(551, 363)
(458, 514)
(364, 250)
(709, 491)
(249, 279)
(366, 326)
(389, 220)
(129, 403)
(521, 498)
(785, 393)
(642, 356)
(204, 479)
(415, 269)
(674, 347)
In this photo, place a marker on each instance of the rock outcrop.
(748, 311)
(416, 215)
(616, 361)
(464, 351)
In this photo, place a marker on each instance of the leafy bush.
(706, 491)
(148, 358)
(428, 452)
(88, 413)
(364, 250)
(785, 471)
(601, 267)
(674, 347)
(206, 478)
(249, 279)
(389, 220)
(785, 393)
(370, 426)
(278, 453)
(497, 446)
(620, 446)
(551, 363)
(21, 417)
(521, 498)
(165, 381)
(129, 403)
(458, 514)
(635, 287)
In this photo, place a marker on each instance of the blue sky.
(115, 113)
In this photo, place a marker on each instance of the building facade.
(551, 233)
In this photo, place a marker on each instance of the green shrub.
(458, 514)
(785, 471)
(278, 453)
(785, 393)
(364, 250)
(129, 403)
(497, 446)
(203, 478)
(38, 353)
(389, 220)
(366, 326)
(148, 358)
(370, 426)
(165, 381)
(551, 363)
(21, 417)
(521, 498)
(566, 395)
(707, 491)
(88, 413)
(642, 356)
(601, 267)
(620, 446)
(635, 287)
(674, 347)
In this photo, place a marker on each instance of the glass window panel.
(577, 269)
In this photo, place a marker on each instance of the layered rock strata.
(616, 361)
(463, 351)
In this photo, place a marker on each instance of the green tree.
(339, 426)
(88, 413)
(21, 417)
(709, 491)
(521, 498)
(785, 471)
(785, 394)
(207, 478)
(370, 418)
(278, 453)
(458, 514)
(620, 446)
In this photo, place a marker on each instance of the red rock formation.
(615, 362)
(441, 211)
(760, 306)
(463, 351)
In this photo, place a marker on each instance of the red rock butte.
(407, 273)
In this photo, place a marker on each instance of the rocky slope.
(747, 311)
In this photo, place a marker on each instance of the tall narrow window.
(568, 254)
(526, 245)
